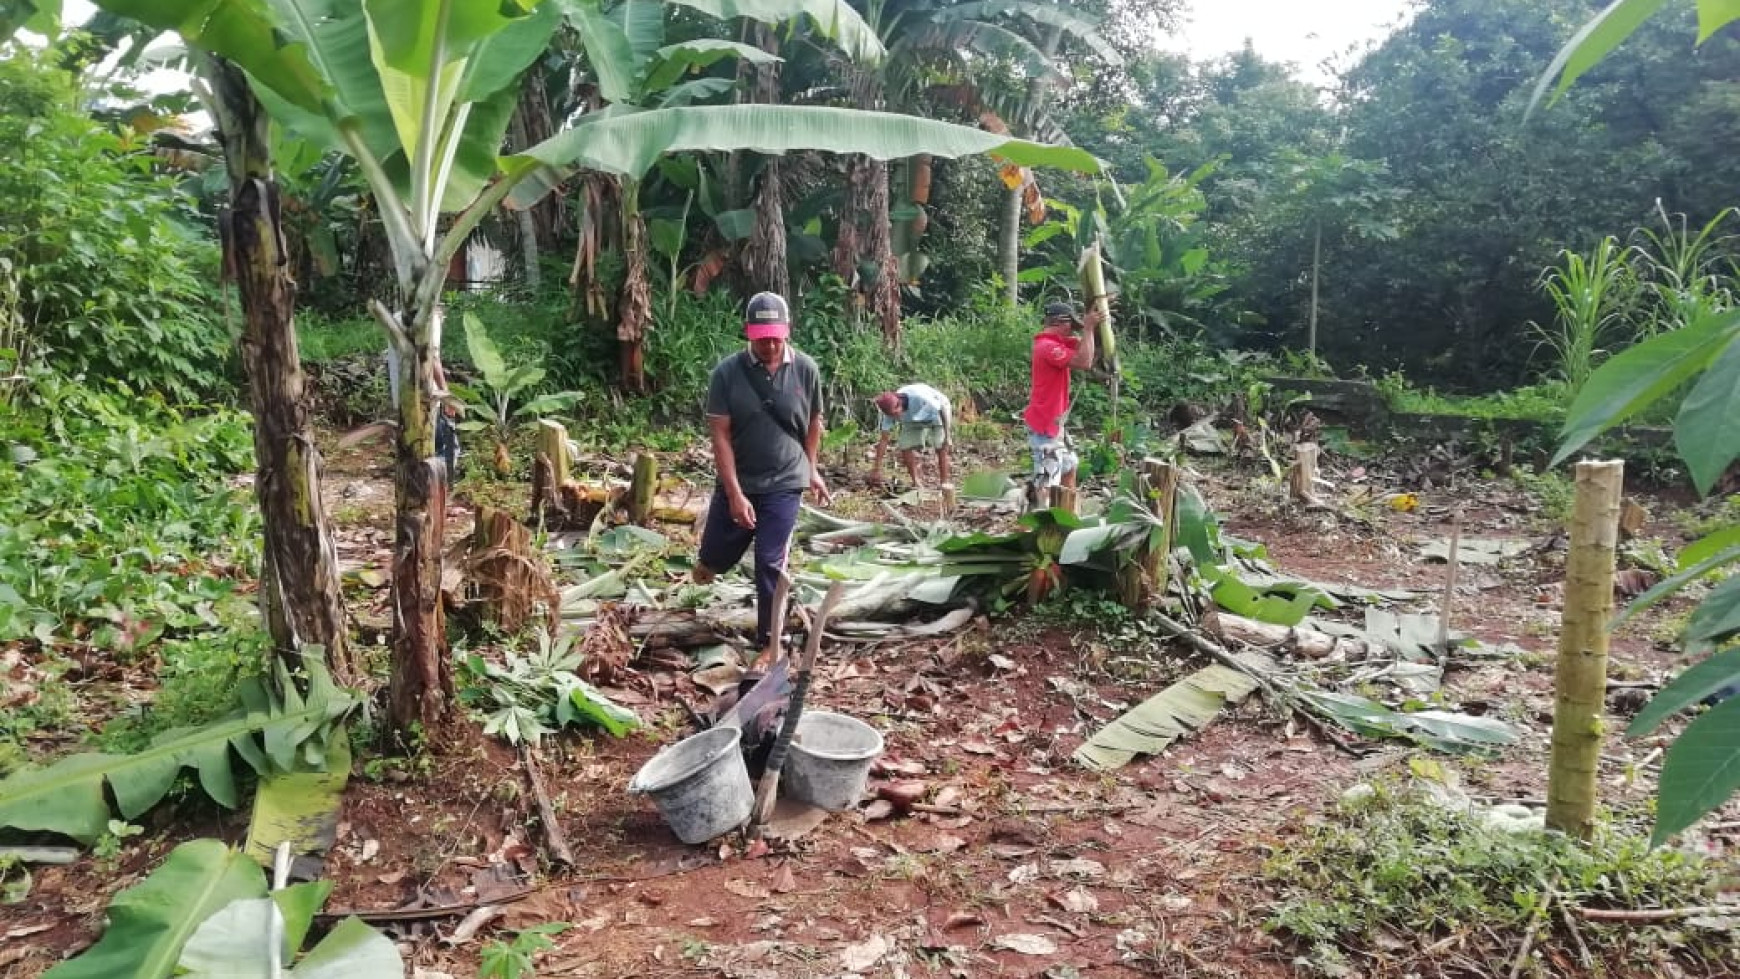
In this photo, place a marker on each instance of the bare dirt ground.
(1018, 863)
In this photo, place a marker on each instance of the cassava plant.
(419, 93)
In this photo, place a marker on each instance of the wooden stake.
(1580, 680)
(553, 835)
(1452, 560)
(949, 499)
(642, 487)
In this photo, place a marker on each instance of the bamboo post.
(949, 499)
(1142, 582)
(1580, 680)
(642, 487)
(553, 445)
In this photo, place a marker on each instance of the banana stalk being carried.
(1093, 287)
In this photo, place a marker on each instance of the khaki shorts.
(923, 435)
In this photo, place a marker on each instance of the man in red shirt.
(1065, 343)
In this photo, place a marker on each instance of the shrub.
(111, 274)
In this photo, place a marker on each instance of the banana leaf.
(151, 921)
(67, 797)
(300, 807)
(232, 945)
(1438, 730)
(1151, 726)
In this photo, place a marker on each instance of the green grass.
(320, 339)
(1397, 862)
(1545, 402)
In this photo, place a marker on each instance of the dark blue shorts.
(723, 544)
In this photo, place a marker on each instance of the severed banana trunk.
(1093, 287)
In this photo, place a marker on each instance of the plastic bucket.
(699, 785)
(830, 760)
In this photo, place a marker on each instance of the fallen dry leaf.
(1079, 867)
(1000, 661)
(784, 881)
(748, 888)
(947, 795)
(961, 919)
(880, 809)
(976, 747)
(897, 766)
(1026, 944)
(864, 955)
(903, 793)
(1077, 900)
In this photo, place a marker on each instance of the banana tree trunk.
(764, 254)
(1316, 265)
(526, 221)
(866, 239)
(420, 693)
(1009, 246)
(1009, 235)
(634, 303)
(299, 583)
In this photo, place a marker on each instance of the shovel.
(768, 790)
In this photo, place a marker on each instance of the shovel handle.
(768, 790)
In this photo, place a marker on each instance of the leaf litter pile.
(1072, 790)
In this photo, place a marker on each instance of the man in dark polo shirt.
(764, 411)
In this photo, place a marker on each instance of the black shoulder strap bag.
(773, 401)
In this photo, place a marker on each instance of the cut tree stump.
(553, 445)
(1302, 478)
(508, 572)
(1142, 582)
(642, 487)
(1064, 498)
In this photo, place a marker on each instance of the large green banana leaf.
(231, 945)
(1081, 29)
(67, 796)
(834, 19)
(151, 921)
(628, 143)
(609, 51)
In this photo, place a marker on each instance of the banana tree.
(932, 42)
(419, 94)
(633, 66)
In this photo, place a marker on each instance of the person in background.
(764, 413)
(924, 419)
(1065, 343)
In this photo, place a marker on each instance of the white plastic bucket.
(699, 785)
(830, 758)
